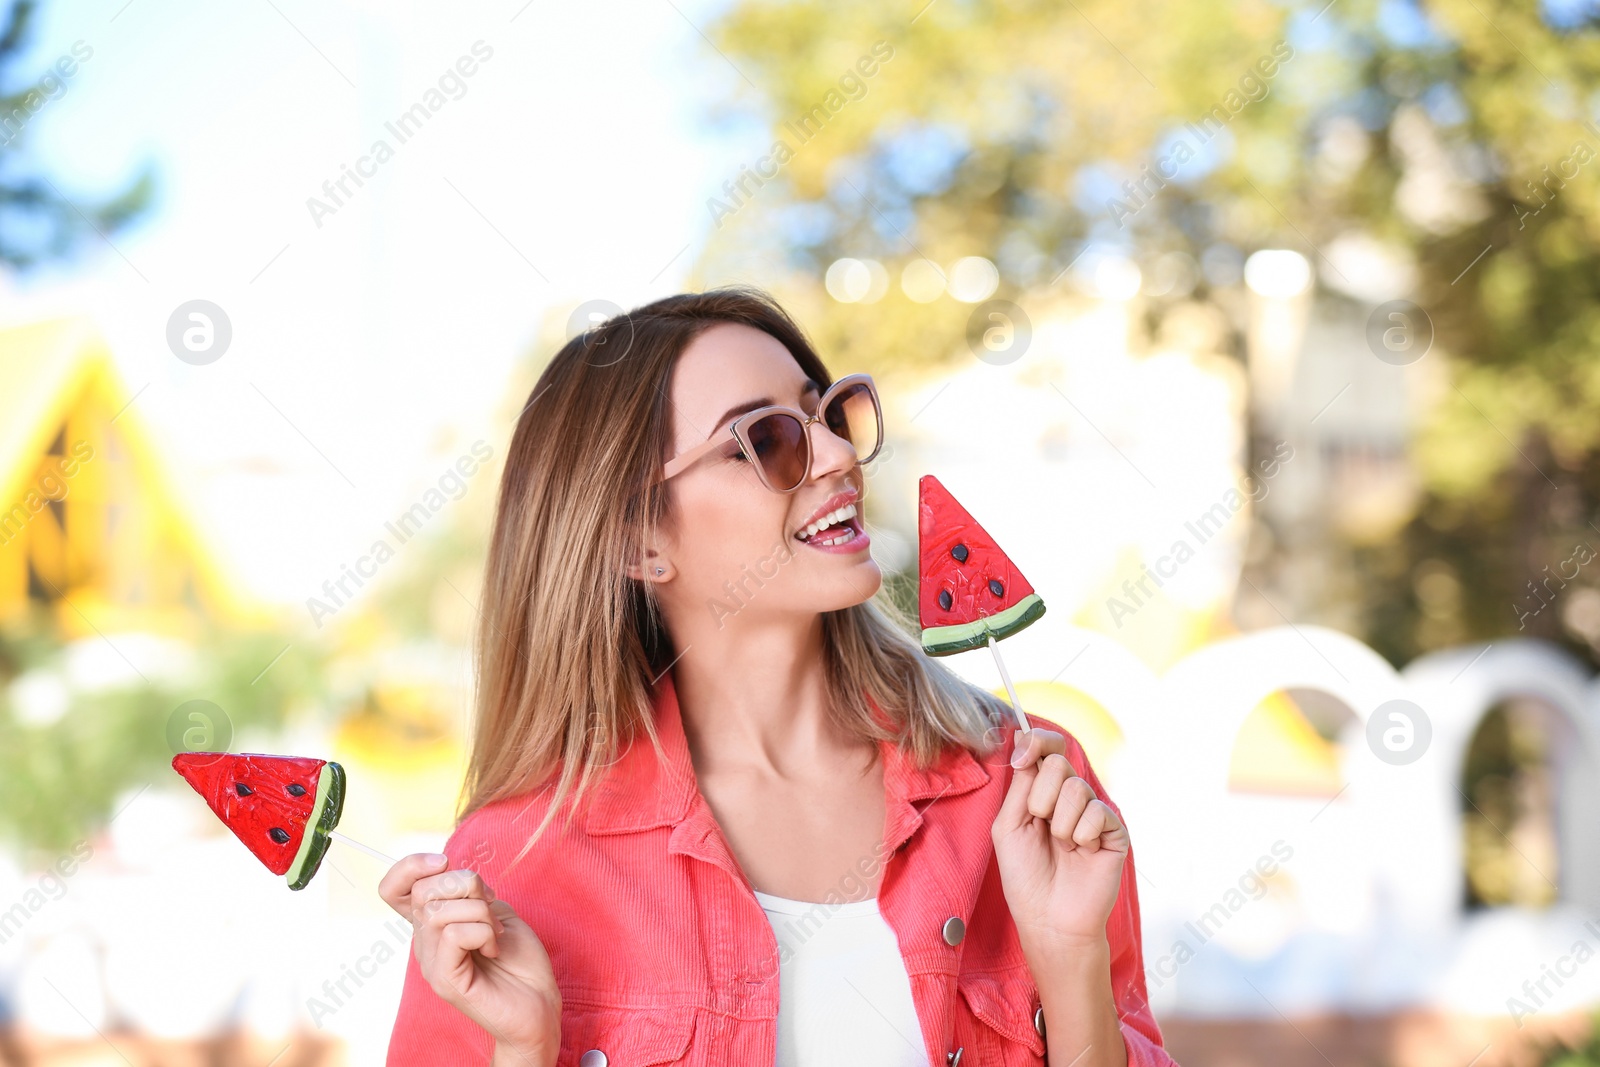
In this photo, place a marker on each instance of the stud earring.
(658, 570)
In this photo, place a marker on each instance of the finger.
(444, 948)
(445, 953)
(458, 939)
(449, 885)
(519, 937)
(1066, 807)
(1048, 777)
(464, 923)
(1031, 747)
(1113, 832)
(460, 910)
(397, 883)
(1113, 821)
(1035, 744)
(1080, 826)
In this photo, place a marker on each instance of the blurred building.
(1291, 867)
(1338, 370)
(90, 524)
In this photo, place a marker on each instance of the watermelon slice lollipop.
(282, 807)
(968, 590)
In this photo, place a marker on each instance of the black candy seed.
(996, 588)
(278, 835)
(945, 599)
(242, 789)
(296, 789)
(960, 553)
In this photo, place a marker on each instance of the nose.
(829, 451)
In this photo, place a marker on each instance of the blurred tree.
(1002, 131)
(1554, 1052)
(62, 769)
(38, 222)
(1509, 853)
(1458, 131)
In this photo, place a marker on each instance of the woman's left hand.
(1060, 850)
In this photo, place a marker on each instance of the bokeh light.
(1277, 272)
(848, 280)
(973, 279)
(922, 281)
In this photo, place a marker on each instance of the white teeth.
(833, 517)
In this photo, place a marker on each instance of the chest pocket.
(995, 1020)
(624, 1037)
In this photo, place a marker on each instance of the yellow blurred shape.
(93, 523)
(1278, 751)
(1074, 711)
(402, 748)
(1158, 630)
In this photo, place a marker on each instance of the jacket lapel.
(641, 792)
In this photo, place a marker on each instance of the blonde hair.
(569, 646)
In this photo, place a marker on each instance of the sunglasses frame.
(738, 426)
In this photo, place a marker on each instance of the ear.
(656, 568)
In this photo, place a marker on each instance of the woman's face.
(734, 553)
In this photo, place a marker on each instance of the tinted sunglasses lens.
(780, 447)
(853, 415)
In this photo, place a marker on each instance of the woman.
(823, 855)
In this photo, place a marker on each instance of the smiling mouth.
(836, 528)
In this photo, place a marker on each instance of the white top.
(843, 994)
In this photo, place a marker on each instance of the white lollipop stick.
(1016, 705)
(359, 847)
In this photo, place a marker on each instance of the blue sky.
(368, 352)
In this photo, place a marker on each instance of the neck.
(754, 699)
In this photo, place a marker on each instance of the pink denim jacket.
(664, 955)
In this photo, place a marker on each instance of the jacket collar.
(640, 792)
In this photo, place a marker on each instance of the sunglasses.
(777, 440)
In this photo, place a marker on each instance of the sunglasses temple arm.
(682, 460)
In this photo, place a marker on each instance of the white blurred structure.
(1252, 905)
(1361, 906)
(1094, 467)
(1098, 460)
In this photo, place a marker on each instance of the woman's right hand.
(479, 956)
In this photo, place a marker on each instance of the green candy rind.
(945, 640)
(325, 811)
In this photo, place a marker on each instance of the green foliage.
(975, 139)
(1506, 796)
(1586, 1054)
(38, 223)
(1460, 131)
(60, 780)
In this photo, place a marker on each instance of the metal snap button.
(593, 1058)
(953, 1059)
(1038, 1019)
(954, 930)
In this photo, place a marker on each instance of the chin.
(864, 582)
